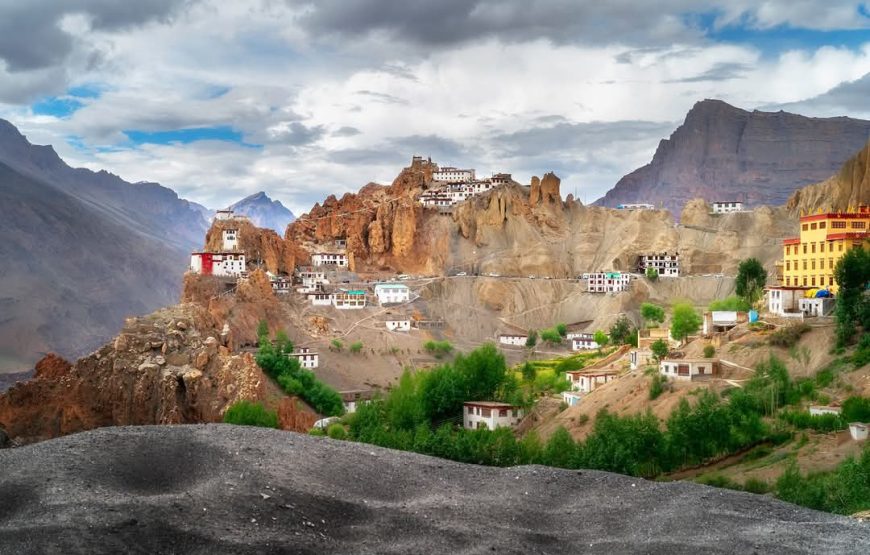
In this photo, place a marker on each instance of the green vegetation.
(337, 344)
(820, 423)
(561, 329)
(529, 372)
(336, 431)
(532, 339)
(709, 351)
(551, 336)
(852, 274)
(659, 349)
(751, 278)
(295, 380)
(356, 347)
(622, 332)
(438, 348)
(856, 409)
(685, 321)
(246, 413)
(844, 490)
(788, 336)
(657, 386)
(600, 338)
(263, 329)
(652, 314)
(862, 351)
(652, 274)
(730, 303)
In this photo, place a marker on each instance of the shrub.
(789, 335)
(862, 352)
(845, 490)
(568, 364)
(657, 386)
(561, 329)
(709, 351)
(730, 303)
(659, 349)
(755, 485)
(622, 332)
(819, 423)
(337, 344)
(551, 336)
(295, 380)
(652, 313)
(532, 339)
(529, 372)
(652, 274)
(336, 431)
(685, 321)
(246, 413)
(356, 347)
(856, 409)
(438, 348)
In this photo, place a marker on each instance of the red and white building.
(608, 282)
(329, 259)
(230, 264)
(230, 239)
(307, 358)
(582, 341)
(490, 415)
(449, 174)
(688, 368)
(586, 381)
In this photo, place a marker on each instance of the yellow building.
(809, 260)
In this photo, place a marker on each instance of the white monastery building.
(449, 174)
(583, 341)
(230, 240)
(321, 298)
(607, 282)
(229, 264)
(667, 265)
(785, 301)
(391, 293)
(586, 381)
(329, 259)
(348, 300)
(688, 368)
(515, 340)
(724, 207)
(306, 357)
(398, 324)
(490, 415)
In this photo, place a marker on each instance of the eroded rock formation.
(850, 187)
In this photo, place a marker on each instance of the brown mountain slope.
(724, 153)
(849, 187)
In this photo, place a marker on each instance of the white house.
(635, 206)
(667, 265)
(515, 340)
(586, 381)
(449, 174)
(352, 399)
(329, 259)
(281, 284)
(218, 263)
(230, 239)
(572, 398)
(819, 410)
(858, 431)
(722, 320)
(398, 323)
(490, 415)
(391, 293)
(607, 282)
(785, 301)
(500, 179)
(307, 358)
(223, 215)
(583, 341)
(311, 278)
(723, 207)
(349, 300)
(688, 368)
(640, 357)
(816, 306)
(321, 298)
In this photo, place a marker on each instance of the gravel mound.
(223, 489)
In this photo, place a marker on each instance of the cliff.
(724, 153)
(262, 247)
(850, 187)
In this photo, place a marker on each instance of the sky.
(302, 99)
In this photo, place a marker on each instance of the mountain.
(724, 153)
(850, 187)
(265, 212)
(81, 250)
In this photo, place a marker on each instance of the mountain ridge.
(265, 212)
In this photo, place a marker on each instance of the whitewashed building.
(354, 398)
(722, 320)
(640, 357)
(858, 431)
(490, 415)
(307, 358)
(817, 306)
(688, 368)
(514, 340)
(500, 179)
(310, 278)
(586, 381)
(223, 215)
(230, 239)
(321, 298)
(785, 301)
(667, 265)
(398, 323)
(572, 398)
(583, 341)
(229, 264)
(819, 410)
(392, 293)
(280, 284)
(329, 259)
(724, 207)
(449, 174)
(635, 206)
(349, 300)
(608, 282)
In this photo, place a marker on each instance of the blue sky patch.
(223, 133)
(57, 106)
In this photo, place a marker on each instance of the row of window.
(812, 245)
(822, 281)
(839, 224)
(486, 413)
(788, 265)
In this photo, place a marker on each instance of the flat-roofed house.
(490, 415)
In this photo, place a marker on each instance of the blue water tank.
(753, 316)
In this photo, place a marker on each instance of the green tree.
(751, 278)
(856, 409)
(560, 449)
(356, 347)
(262, 331)
(600, 338)
(709, 351)
(652, 274)
(529, 372)
(685, 321)
(247, 413)
(551, 336)
(652, 314)
(621, 331)
(337, 344)
(282, 342)
(532, 339)
(562, 330)
(659, 349)
(733, 302)
(852, 275)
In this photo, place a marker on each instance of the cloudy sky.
(221, 99)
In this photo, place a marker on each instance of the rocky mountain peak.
(264, 211)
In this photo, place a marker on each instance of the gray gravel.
(224, 489)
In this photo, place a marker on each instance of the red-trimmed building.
(809, 260)
(490, 415)
(230, 264)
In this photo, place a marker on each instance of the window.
(814, 263)
(838, 225)
(805, 281)
(502, 413)
(470, 410)
(813, 247)
(787, 250)
(805, 248)
(814, 281)
(830, 263)
(788, 281)
(859, 225)
(804, 227)
(813, 225)
(823, 225)
(805, 264)
(821, 246)
(840, 246)
(486, 413)
(787, 265)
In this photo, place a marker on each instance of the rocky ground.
(225, 489)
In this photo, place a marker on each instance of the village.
(803, 290)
